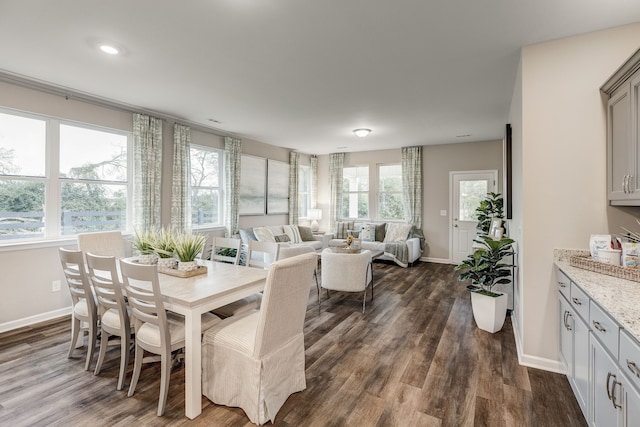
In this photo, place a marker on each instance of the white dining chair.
(256, 360)
(84, 314)
(225, 249)
(106, 243)
(113, 311)
(155, 331)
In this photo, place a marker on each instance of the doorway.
(467, 189)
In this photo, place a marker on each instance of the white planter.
(489, 312)
(147, 258)
(167, 263)
(187, 265)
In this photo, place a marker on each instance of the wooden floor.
(414, 359)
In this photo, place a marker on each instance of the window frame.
(380, 192)
(220, 188)
(304, 193)
(358, 192)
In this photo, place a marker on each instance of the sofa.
(400, 243)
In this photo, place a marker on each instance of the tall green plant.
(491, 207)
(484, 267)
(188, 246)
(144, 240)
(165, 244)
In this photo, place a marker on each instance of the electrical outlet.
(443, 213)
(55, 286)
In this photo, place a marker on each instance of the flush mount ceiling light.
(361, 133)
(111, 50)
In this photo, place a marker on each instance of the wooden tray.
(184, 274)
(346, 250)
(588, 263)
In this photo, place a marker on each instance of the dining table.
(191, 297)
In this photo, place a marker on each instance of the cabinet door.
(634, 135)
(566, 336)
(581, 364)
(603, 370)
(620, 150)
(631, 405)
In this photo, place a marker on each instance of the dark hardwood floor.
(415, 358)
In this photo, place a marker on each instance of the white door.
(467, 190)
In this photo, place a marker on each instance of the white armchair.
(347, 272)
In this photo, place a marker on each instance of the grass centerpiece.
(165, 247)
(187, 248)
(143, 242)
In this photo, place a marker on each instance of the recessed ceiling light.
(361, 133)
(340, 148)
(214, 121)
(465, 135)
(111, 50)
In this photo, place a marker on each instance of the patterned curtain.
(147, 171)
(232, 155)
(181, 185)
(412, 185)
(293, 187)
(314, 181)
(336, 163)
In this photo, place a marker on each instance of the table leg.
(193, 365)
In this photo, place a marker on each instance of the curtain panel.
(314, 181)
(336, 163)
(412, 185)
(294, 159)
(232, 156)
(181, 182)
(147, 171)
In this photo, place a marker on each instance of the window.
(390, 192)
(59, 178)
(304, 190)
(206, 186)
(355, 192)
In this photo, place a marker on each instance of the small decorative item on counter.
(597, 242)
(630, 254)
(609, 256)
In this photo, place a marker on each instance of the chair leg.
(104, 343)
(165, 376)
(137, 367)
(364, 299)
(124, 359)
(91, 345)
(75, 331)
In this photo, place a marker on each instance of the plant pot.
(489, 312)
(187, 265)
(147, 258)
(167, 263)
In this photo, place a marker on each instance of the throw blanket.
(398, 251)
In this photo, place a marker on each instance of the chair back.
(106, 243)
(269, 252)
(218, 252)
(291, 251)
(143, 294)
(103, 273)
(77, 279)
(345, 271)
(284, 303)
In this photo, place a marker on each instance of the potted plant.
(491, 207)
(187, 248)
(164, 247)
(485, 268)
(144, 241)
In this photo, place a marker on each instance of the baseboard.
(533, 361)
(32, 320)
(436, 260)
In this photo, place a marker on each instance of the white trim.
(32, 320)
(534, 361)
(435, 260)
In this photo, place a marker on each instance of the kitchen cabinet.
(623, 138)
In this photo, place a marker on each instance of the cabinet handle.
(629, 181)
(609, 375)
(562, 285)
(576, 301)
(566, 320)
(624, 183)
(598, 326)
(633, 368)
(613, 393)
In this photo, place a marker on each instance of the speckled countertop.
(619, 297)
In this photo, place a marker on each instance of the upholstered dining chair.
(291, 251)
(219, 247)
(156, 332)
(260, 255)
(112, 309)
(347, 272)
(84, 314)
(106, 243)
(256, 360)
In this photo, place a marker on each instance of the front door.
(467, 190)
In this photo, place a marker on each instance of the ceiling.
(300, 74)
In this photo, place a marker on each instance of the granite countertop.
(619, 297)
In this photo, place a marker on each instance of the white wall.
(561, 142)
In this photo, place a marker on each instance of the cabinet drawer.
(604, 328)
(630, 357)
(563, 284)
(579, 301)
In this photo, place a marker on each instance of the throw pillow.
(353, 233)
(368, 232)
(281, 238)
(246, 234)
(263, 234)
(397, 232)
(380, 231)
(292, 232)
(341, 229)
(306, 234)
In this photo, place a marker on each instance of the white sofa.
(414, 250)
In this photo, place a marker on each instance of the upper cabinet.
(623, 137)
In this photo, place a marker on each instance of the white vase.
(147, 258)
(489, 312)
(168, 263)
(187, 265)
